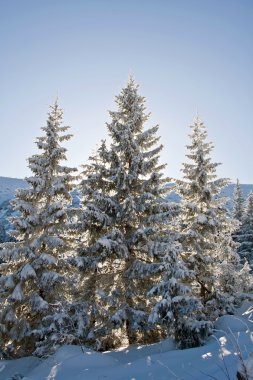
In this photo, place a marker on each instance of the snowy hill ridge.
(8, 187)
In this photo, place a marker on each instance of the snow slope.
(217, 359)
(8, 187)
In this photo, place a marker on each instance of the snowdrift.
(217, 359)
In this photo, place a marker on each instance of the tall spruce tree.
(205, 225)
(238, 211)
(245, 234)
(238, 202)
(34, 273)
(125, 224)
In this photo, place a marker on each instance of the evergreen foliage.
(245, 234)
(34, 273)
(238, 211)
(205, 225)
(125, 219)
(176, 308)
(120, 264)
(238, 208)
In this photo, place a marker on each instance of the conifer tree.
(238, 202)
(34, 273)
(205, 225)
(125, 224)
(245, 236)
(238, 210)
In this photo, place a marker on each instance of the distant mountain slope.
(8, 187)
(227, 192)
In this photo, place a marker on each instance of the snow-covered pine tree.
(238, 199)
(205, 225)
(34, 273)
(245, 235)
(125, 219)
(238, 211)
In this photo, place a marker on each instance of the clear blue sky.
(187, 56)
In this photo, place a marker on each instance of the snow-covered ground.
(217, 359)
